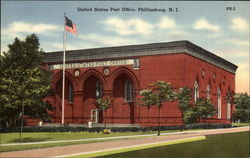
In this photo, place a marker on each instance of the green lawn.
(241, 124)
(53, 136)
(233, 145)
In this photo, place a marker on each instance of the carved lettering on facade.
(97, 64)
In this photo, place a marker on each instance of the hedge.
(68, 128)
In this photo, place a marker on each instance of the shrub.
(106, 131)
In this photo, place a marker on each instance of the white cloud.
(21, 29)
(128, 27)
(203, 24)
(90, 41)
(238, 42)
(137, 25)
(235, 53)
(239, 24)
(166, 23)
(102, 40)
(58, 46)
(24, 27)
(170, 35)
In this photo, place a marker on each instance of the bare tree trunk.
(183, 122)
(148, 119)
(159, 123)
(105, 125)
(21, 128)
(12, 121)
(9, 121)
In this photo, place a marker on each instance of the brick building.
(121, 72)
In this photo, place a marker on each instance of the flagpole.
(63, 79)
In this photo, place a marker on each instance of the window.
(203, 73)
(71, 93)
(208, 91)
(219, 102)
(98, 90)
(228, 110)
(196, 91)
(128, 91)
(214, 77)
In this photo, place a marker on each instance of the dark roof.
(141, 50)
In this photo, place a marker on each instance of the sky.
(220, 27)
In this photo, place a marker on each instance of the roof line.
(141, 50)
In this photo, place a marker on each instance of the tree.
(103, 104)
(242, 112)
(203, 109)
(161, 92)
(190, 116)
(184, 97)
(148, 99)
(24, 82)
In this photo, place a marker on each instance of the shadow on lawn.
(228, 145)
(29, 139)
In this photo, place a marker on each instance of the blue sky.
(208, 24)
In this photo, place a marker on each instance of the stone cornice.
(142, 50)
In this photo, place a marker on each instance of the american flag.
(70, 27)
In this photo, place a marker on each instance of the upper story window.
(196, 91)
(98, 90)
(128, 91)
(203, 73)
(71, 93)
(219, 102)
(208, 92)
(214, 77)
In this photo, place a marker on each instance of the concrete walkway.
(111, 145)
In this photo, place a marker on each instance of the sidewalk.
(107, 146)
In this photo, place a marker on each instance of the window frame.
(98, 89)
(129, 91)
(208, 92)
(219, 103)
(71, 94)
(196, 91)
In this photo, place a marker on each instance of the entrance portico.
(80, 103)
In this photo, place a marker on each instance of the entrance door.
(123, 100)
(92, 91)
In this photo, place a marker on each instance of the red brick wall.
(178, 69)
(194, 69)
